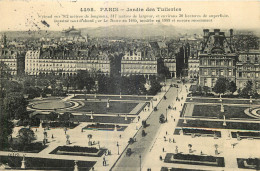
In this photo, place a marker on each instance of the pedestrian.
(120, 136)
(160, 157)
(174, 120)
(52, 136)
(163, 149)
(166, 132)
(81, 129)
(173, 140)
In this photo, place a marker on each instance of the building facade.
(193, 67)
(217, 58)
(248, 68)
(65, 62)
(13, 59)
(139, 62)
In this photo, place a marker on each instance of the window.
(213, 72)
(205, 72)
(248, 75)
(256, 75)
(221, 72)
(230, 72)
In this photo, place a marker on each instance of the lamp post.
(117, 147)
(140, 157)
(166, 115)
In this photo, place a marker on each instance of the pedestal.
(76, 166)
(222, 108)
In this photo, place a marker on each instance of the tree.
(206, 89)
(66, 117)
(52, 116)
(232, 87)
(155, 87)
(248, 90)
(221, 86)
(6, 129)
(25, 136)
(14, 106)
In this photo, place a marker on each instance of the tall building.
(217, 58)
(248, 68)
(139, 62)
(14, 59)
(65, 62)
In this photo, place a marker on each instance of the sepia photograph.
(129, 85)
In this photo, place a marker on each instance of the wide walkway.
(143, 144)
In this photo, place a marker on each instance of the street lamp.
(166, 115)
(140, 157)
(117, 147)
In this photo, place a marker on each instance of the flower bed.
(194, 159)
(105, 127)
(45, 164)
(79, 151)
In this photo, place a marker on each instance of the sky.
(23, 15)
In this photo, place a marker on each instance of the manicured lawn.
(113, 97)
(216, 100)
(247, 163)
(178, 169)
(101, 107)
(78, 151)
(105, 127)
(194, 159)
(45, 164)
(96, 119)
(50, 105)
(189, 131)
(217, 124)
(32, 148)
(214, 111)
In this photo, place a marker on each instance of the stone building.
(217, 58)
(139, 62)
(248, 68)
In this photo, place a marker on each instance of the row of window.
(216, 62)
(221, 72)
(248, 75)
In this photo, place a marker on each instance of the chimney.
(206, 34)
(216, 31)
(231, 35)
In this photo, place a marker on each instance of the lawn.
(194, 159)
(96, 119)
(78, 151)
(214, 111)
(51, 105)
(138, 98)
(105, 127)
(45, 164)
(101, 107)
(217, 124)
(216, 100)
